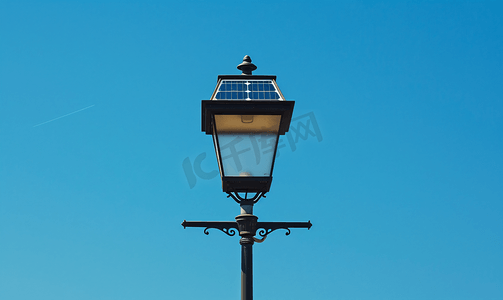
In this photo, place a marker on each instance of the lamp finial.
(246, 66)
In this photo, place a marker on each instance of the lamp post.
(246, 114)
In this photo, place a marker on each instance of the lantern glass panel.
(246, 144)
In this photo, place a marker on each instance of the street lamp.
(246, 111)
(246, 115)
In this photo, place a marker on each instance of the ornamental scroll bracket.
(265, 228)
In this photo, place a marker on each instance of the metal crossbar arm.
(228, 228)
(265, 228)
(284, 224)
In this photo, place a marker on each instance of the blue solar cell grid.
(247, 90)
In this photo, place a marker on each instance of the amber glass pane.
(253, 124)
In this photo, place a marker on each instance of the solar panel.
(247, 90)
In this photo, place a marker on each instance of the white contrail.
(64, 115)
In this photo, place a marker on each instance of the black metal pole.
(247, 271)
(247, 226)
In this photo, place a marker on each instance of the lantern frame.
(211, 108)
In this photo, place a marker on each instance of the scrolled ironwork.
(263, 232)
(240, 200)
(247, 225)
(228, 231)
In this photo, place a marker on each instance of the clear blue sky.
(402, 176)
